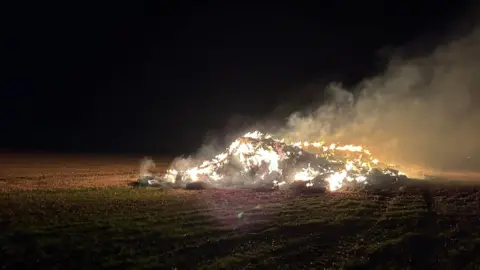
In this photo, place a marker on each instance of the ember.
(259, 160)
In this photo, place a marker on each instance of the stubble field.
(72, 212)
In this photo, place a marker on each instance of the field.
(78, 213)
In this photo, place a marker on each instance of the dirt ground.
(42, 171)
(77, 212)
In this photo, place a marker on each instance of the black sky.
(155, 77)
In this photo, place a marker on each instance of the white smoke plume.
(147, 167)
(420, 111)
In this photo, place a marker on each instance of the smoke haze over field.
(420, 111)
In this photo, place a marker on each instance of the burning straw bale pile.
(261, 162)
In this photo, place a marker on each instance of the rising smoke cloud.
(421, 111)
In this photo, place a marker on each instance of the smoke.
(420, 111)
(147, 167)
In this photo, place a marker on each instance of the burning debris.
(258, 160)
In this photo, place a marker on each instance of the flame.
(306, 174)
(335, 180)
(267, 156)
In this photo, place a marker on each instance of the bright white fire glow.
(257, 157)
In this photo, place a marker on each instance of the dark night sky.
(156, 77)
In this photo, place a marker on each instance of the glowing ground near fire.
(62, 212)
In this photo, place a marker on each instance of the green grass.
(125, 228)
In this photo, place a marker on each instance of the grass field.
(79, 213)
